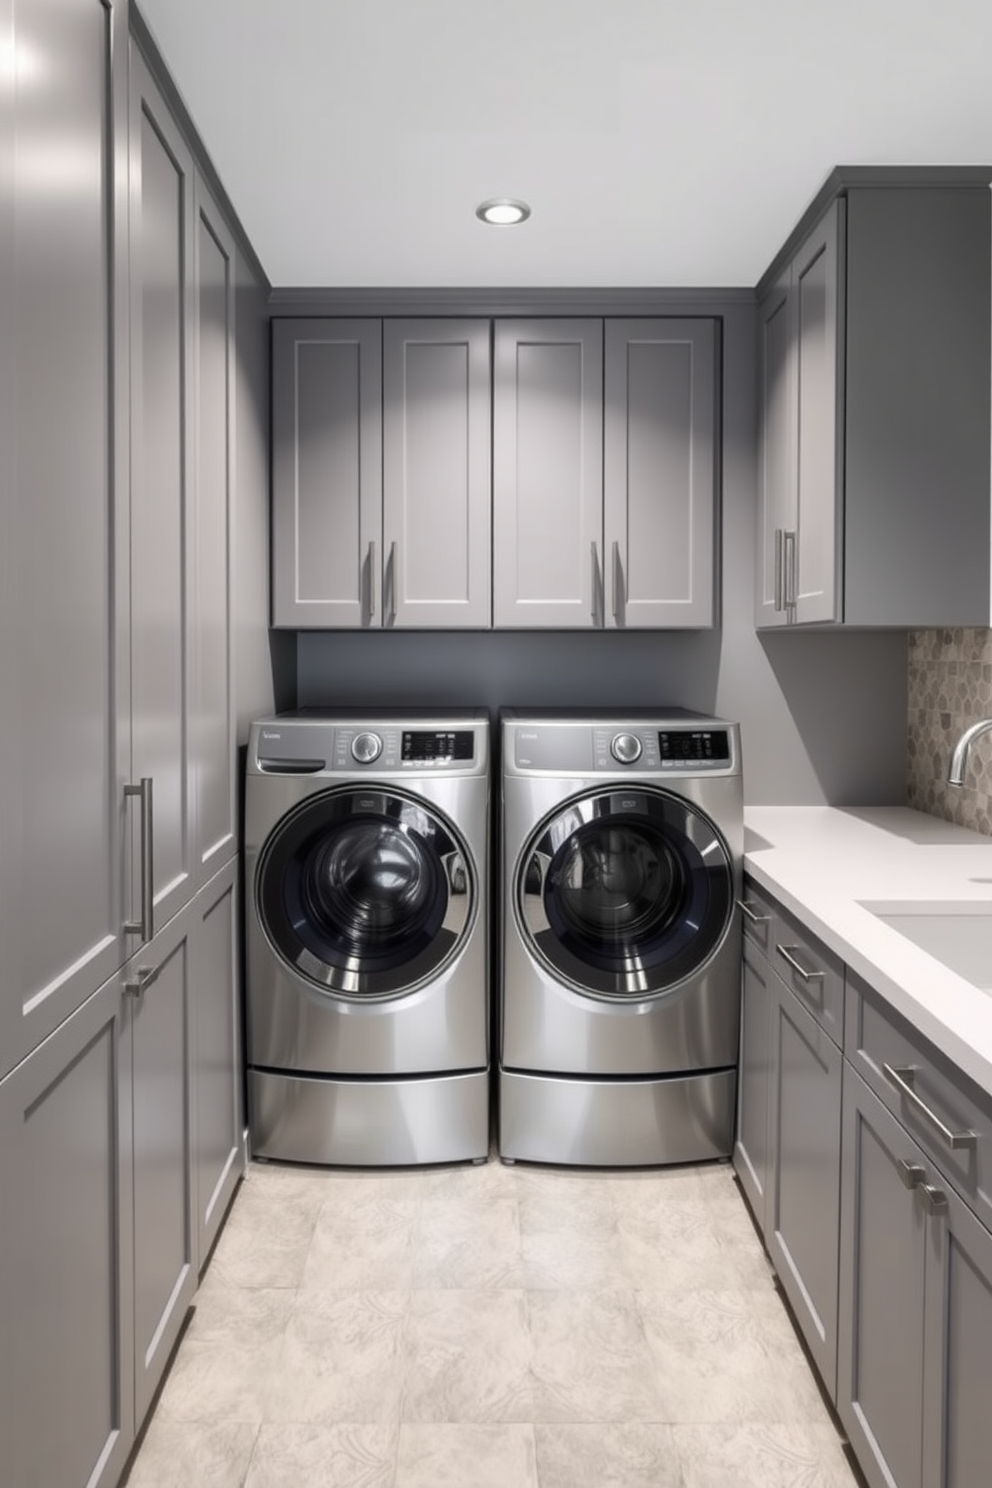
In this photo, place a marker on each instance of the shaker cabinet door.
(659, 473)
(776, 450)
(327, 473)
(548, 474)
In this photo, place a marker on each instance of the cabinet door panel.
(959, 1344)
(776, 447)
(164, 1268)
(327, 473)
(547, 473)
(436, 472)
(212, 744)
(218, 1156)
(819, 390)
(751, 1144)
(660, 471)
(804, 1198)
(63, 599)
(161, 525)
(882, 1275)
(66, 1402)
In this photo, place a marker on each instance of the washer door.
(624, 894)
(366, 894)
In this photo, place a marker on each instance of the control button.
(365, 748)
(626, 748)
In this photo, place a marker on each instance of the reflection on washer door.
(370, 882)
(617, 885)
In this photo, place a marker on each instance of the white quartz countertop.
(821, 862)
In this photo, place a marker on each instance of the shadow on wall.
(950, 687)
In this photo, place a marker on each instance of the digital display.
(421, 744)
(706, 745)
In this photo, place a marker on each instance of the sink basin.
(957, 935)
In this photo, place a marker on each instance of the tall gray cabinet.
(120, 1121)
(875, 347)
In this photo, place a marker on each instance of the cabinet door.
(880, 1362)
(958, 1331)
(158, 980)
(803, 1215)
(213, 755)
(819, 322)
(218, 1156)
(548, 473)
(66, 1378)
(162, 474)
(63, 592)
(436, 493)
(751, 1144)
(659, 473)
(777, 435)
(326, 473)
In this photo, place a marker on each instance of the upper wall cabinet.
(381, 473)
(875, 346)
(594, 507)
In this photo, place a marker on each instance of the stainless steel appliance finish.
(621, 850)
(366, 872)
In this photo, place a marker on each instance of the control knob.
(626, 748)
(366, 747)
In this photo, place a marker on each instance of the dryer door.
(366, 894)
(624, 894)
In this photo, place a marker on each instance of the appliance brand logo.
(269, 734)
(629, 803)
(366, 803)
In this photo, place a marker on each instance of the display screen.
(421, 744)
(709, 745)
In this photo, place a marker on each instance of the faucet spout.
(959, 759)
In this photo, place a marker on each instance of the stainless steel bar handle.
(902, 1077)
(145, 926)
(932, 1199)
(807, 974)
(392, 583)
(371, 579)
(134, 986)
(779, 570)
(617, 583)
(594, 554)
(789, 565)
(755, 919)
(911, 1175)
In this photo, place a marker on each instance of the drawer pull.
(808, 975)
(755, 919)
(902, 1077)
(932, 1199)
(911, 1175)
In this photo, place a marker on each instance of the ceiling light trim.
(502, 211)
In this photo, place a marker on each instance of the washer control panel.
(643, 749)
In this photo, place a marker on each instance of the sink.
(959, 935)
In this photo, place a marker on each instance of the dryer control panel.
(643, 748)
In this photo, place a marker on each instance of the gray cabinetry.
(381, 473)
(788, 1147)
(659, 473)
(64, 593)
(548, 473)
(874, 385)
(326, 473)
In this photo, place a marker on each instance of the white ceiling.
(660, 143)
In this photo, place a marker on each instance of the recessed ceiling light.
(502, 211)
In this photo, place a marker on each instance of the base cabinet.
(120, 1135)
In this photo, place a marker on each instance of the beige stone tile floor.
(489, 1327)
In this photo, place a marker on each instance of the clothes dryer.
(619, 1016)
(366, 873)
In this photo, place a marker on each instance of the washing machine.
(620, 950)
(366, 874)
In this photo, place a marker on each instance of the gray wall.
(823, 715)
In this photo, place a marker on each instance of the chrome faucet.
(959, 759)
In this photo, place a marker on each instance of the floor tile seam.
(251, 1454)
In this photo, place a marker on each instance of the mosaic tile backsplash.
(950, 687)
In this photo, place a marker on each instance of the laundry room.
(497, 828)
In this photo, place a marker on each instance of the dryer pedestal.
(369, 1123)
(616, 1123)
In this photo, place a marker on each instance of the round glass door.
(367, 894)
(624, 894)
